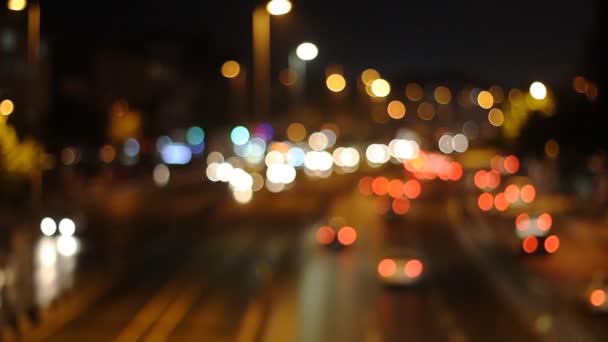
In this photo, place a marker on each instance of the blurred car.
(336, 237)
(596, 297)
(401, 268)
(535, 234)
(540, 244)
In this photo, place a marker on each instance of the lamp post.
(261, 53)
(305, 52)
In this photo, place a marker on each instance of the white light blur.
(281, 173)
(318, 141)
(242, 196)
(275, 187)
(161, 142)
(377, 153)
(131, 148)
(445, 144)
(48, 226)
(278, 7)
(215, 157)
(67, 227)
(346, 157)
(538, 90)
(402, 149)
(67, 246)
(176, 154)
(46, 252)
(274, 158)
(240, 180)
(161, 175)
(211, 172)
(318, 161)
(331, 137)
(307, 51)
(460, 143)
(256, 148)
(258, 181)
(223, 172)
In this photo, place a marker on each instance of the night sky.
(510, 42)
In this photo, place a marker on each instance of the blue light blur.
(195, 136)
(131, 148)
(197, 149)
(176, 154)
(239, 135)
(296, 156)
(264, 131)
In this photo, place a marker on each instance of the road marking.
(176, 312)
(145, 317)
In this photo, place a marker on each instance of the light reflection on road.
(54, 266)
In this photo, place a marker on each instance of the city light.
(16, 5)
(7, 107)
(413, 91)
(485, 99)
(239, 135)
(279, 7)
(48, 226)
(496, 117)
(443, 95)
(67, 227)
(538, 90)
(368, 76)
(380, 88)
(336, 83)
(161, 175)
(307, 51)
(176, 154)
(396, 109)
(230, 69)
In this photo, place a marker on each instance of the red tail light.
(387, 267)
(347, 235)
(597, 297)
(530, 244)
(325, 235)
(413, 268)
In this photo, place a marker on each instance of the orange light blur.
(413, 91)
(335, 83)
(598, 297)
(530, 244)
(347, 235)
(395, 188)
(380, 186)
(528, 193)
(511, 164)
(456, 171)
(497, 163)
(579, 84)
(396, 109)
(387, 267)
(230, 69)
(500, 201)
(485, 99)
(413, 268)
(544, 222)
(443, 95)
(485, 201)
(382, 205)
(412, 189)
(365, 185)
(401, 206)
(512, 193)
(522, 222)
(325, 235)
(493, 179)
(552, 244)
(481, 179)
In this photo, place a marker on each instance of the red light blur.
(500, 201)
(552, 244)
(530, 244)
(395, 188)
(481, 179)
(412, 189)
(597, 297)
(528, 193)
(383, 205)
(455, 171)
(493, 179)
(380, 186)
(522, 222)
(325, 235)
(485, 201)
(497, 163)
(413, 268)
(512, 193)
(387, 267)
(347, 235)
(401, 206)
(544, 222)
(511, 164)
(365, 185)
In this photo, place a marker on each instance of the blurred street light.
(231, 69)
(278, 7)
(16, 5)
(538, 90)
(380, 88)
(307, 51)
(6, 107)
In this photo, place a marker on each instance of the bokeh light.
(307, 51)
(239, 135)
(380, 88)
(396, 109)
(278, 7)
(335, 83)
(443, 95)
(413, 268)
(387, 268)
(412, 189)
(528, 193)
(485, 201)
(67, 227)
(496, 117)
(368, 76)
(485, 99)
(6, 107)
(552, 148)
(413, 91)
(325, 235)
(530, 244)
(161, 175)
(551, 244)
(426, 111)
(230, 69)
(511, 164)
(400, 206)
(538, 90)
(347, 235)
(318, 141)
(48, 226)
(380, 186)
(296, 132)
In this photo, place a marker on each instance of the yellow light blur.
(68, 156)
(231, 69)
(497, 93)
(426, 111)
(496, 117)
(515, 95)
(396, 109)
(288, 77)
(485, 99)
(443, 95)
(335, 83)
(278, 7)
(413, 91)
(296, 132)
(7, 107)
(381, 88)
(538, 90)
(16, 5)
(368, 76)
(552, 148)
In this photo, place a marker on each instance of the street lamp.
(261, 52)
(305, 52)
(16, 5)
